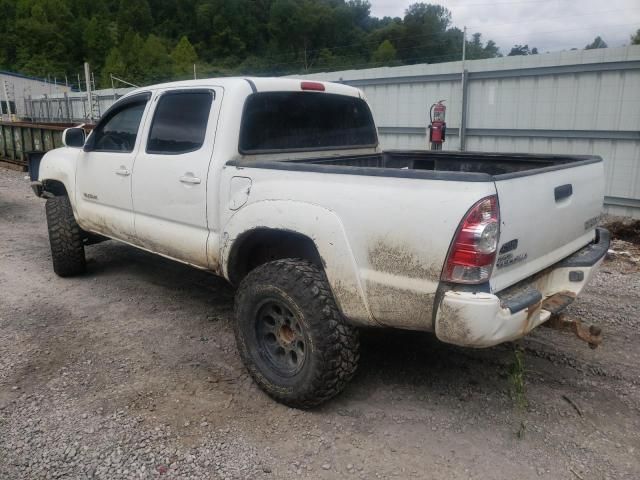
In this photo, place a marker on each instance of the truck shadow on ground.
(390, 359)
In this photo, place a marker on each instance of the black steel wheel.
(291, 335)
(280, 338)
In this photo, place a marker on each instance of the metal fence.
(71, 107)
(576, 102)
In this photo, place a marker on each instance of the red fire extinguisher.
(437, 125)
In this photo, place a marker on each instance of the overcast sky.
(550, 25)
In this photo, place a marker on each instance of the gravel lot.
(131, 371)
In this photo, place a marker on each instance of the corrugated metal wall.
(580, 102)
(19, 87)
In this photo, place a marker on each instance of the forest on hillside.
(146, 41)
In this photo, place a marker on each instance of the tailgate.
(545, 216)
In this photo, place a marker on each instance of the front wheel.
(291, 335)
(65, 237)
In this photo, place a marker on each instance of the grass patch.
(516, 379)
(517, 389)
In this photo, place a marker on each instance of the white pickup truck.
(279, 186)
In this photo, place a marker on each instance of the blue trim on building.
(20, 75)
(37, 79)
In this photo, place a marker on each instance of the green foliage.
(113, 65)
(598, 42)
(155, 61)
(184, 56)
(476, 49)
(385, 53)
(45, 30)
(427, 36)
(516, 379)
(144, 41)
(522, 50)
(635, 39)
(134, 15)
(97, 41)
(518, 390)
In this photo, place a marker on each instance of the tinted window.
(119, 129)
(179, 123)
(305, 121)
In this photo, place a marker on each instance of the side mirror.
(73, 137)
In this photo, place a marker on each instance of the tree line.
(147, 41)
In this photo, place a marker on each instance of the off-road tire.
(65, 237)
(332, 347)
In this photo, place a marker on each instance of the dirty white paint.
(479, 320)
(383, 240)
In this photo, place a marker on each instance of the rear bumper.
(480, 319)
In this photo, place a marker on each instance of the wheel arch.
(307, 231)
(55, 187)
(57, 172)
(260, 245)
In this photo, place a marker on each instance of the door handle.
(190, 179)
(123, 172)
(563, 191)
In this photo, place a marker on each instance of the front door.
(103, 175)
(170, 175)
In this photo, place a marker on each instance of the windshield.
(279, 121)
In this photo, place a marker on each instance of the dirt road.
(131, 371)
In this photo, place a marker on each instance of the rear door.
(545, 217)
(170, 175)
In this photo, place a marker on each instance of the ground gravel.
(131, 371)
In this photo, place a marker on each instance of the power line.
(556, 17)
(570, 30)
(484, 4)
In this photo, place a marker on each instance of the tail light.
(473, 251)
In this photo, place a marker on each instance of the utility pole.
(113, 87)
(195, 76)
(87, 77)
(463, 97)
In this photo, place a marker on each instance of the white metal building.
(575, 102)
(14, 88)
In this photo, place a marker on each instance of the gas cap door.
(239, 192)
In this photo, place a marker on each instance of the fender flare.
(324, 228)
(60, 165)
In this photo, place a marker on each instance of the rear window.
(278, 121)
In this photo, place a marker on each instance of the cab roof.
(253, 84)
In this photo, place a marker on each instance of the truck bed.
(493, 164)
(459, 166)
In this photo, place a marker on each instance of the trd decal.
(509, 259)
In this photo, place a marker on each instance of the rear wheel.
(65, 237)
(291, 336)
